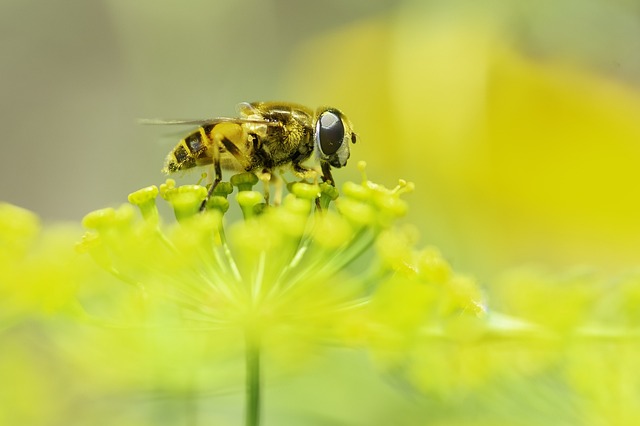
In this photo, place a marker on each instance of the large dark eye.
(329, 132)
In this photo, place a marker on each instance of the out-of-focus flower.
(519, 158)
(39, 276)
(511, 150)
(37, 270)
(172, 309)
(552, 345)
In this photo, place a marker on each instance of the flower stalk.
(253, 385)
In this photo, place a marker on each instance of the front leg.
(304, 172)
(326, 174)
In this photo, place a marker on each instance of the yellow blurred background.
(518, 122)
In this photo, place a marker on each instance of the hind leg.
(225, 136)
(218, 173)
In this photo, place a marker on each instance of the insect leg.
(215, 156)
(278, 183)
(217, 180)
(226, 136)
(245, 163)
(326, 173)
(233, 149)
(304, 172)
(266, 176)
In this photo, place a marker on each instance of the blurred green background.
(518, 121)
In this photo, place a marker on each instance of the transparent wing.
(155, 121)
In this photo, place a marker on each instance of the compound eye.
(329, 132)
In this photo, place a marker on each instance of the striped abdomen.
(190, 152)
(228, 140)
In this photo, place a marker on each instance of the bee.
(265, 137)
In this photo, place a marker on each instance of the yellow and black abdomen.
(227, 140)
(189, 152)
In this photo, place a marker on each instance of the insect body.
(266, 136)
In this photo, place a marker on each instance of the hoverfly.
(267, 136)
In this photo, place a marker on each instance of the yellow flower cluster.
(178, 301)
(297, 272)
(38, 273)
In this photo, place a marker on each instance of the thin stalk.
(253, 383)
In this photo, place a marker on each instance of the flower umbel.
(179, 302)
(302, 272)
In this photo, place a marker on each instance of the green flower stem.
(253, 383)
